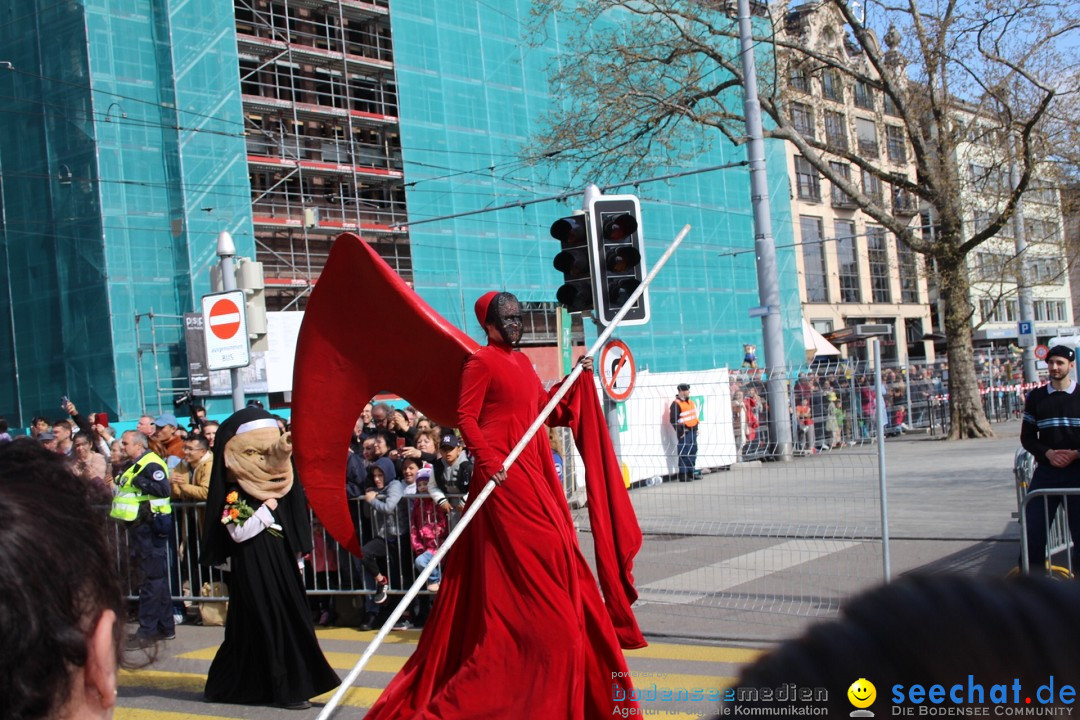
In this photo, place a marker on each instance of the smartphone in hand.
(400, 443)
(64, 402)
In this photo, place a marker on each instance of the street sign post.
(225, 330)
(1025, 336)
(1041, 351)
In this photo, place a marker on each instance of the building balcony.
(261, 48)
(842, 201)
(316, 111)
(326, 216)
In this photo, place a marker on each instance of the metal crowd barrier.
(1057, 527)
(328, 568)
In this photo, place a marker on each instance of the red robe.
(519, 629)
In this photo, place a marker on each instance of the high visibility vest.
(687, 413)
(125, 505)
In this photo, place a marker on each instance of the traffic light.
(619, 257)
(576, 293)
(249, 278)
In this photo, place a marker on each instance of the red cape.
(338, 369)
(341, 363)
(615, 530)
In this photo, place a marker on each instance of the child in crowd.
(429, 527)
(321, 573)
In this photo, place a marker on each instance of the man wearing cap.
(452, 471)
(1051, 432)
(171, 444)
(683, 416)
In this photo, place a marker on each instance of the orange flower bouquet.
(238, 511)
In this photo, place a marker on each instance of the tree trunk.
(965, 403)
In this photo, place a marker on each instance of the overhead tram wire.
(571, 193)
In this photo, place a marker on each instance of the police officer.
(1051, 432)
(142, 503)
(684, 418)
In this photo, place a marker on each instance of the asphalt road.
(729, 565)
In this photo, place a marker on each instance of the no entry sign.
(224, 318)
(225, 329)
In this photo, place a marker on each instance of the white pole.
(880, 405)
(474, 507)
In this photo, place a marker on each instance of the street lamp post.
(226, 252)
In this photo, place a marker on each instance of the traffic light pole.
(611, 409)
(226, 252)
(772, 330)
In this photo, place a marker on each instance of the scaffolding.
(161, 351)
(323, 145)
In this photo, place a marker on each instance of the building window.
(866, 132)
(802, 119)
(871, 186)
(807, 180)
(814, 269)
(832, 87)
(1040, 231)
(1040, 310)
(1039, 191)
(992, 266)
(1045, 270)
(877, 250)
(1000, 311)
(864, 95)
(799, 80)
(903, 202)
(890, 106)
(895, 144)
(908, 263)
(988, 179)
(836, 130)
(847, 260)
(841, 199)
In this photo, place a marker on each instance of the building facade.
(286, 122)
(1030, 248)
(851, 270)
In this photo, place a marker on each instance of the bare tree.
(649, 82)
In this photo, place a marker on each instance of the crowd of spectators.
(407, 479)
(834, 406)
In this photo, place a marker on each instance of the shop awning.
(815, 342)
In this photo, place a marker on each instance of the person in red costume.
(519, 628)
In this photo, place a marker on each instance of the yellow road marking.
(194, 683)
(398, 637)
(697, 653)
(337, 660)
(144, 714)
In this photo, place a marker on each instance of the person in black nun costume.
(270, 654)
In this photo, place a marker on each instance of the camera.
(196, 422)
